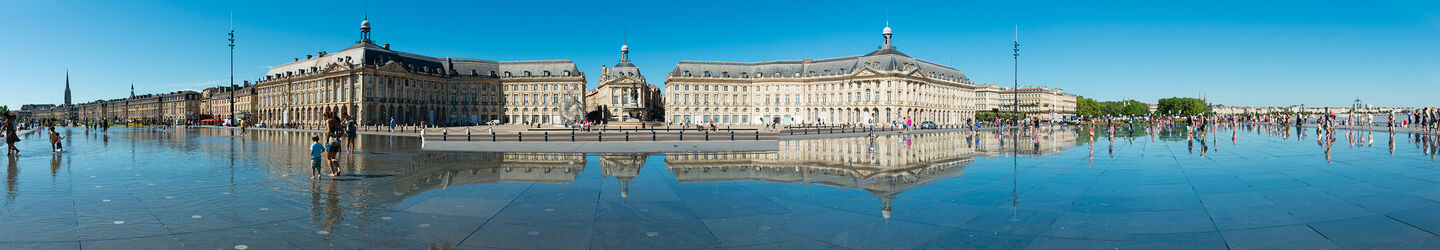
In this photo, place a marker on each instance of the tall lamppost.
(232, 72)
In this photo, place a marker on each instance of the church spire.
(67, 87)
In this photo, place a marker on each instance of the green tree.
(1135, 108)
(1181, 106)
(1087, 107)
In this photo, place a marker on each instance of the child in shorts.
(317, 151)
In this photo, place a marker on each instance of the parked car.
(928, 125)
(493, 122)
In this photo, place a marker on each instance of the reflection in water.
(11, 172)
(884, 166)
(391, 183)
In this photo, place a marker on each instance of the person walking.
(392, 124)
(10, 135)
(333, 133)
(350, 128)
(317, 150)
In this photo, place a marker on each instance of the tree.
(1087, 107)
(1135, 108)
(1181, 106)
(1091, 108)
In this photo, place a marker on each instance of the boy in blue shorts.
(317, 150)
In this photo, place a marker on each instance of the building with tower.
(623, 94)
(374, 83)
(884, 85)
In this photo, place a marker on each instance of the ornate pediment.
(865, 71)
(393, 66)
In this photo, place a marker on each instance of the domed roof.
(887, 30)
(625, 48)
(365, 24)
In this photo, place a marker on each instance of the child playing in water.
(317, 150)
(55, 141)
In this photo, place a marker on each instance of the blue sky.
(1252, 53)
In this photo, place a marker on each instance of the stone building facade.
(1035, 101)
(623, 94)
(884, 85)
(375, 84)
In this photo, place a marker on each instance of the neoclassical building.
(623, 94)
(884, 84)
(1045, 102)
(375, 84)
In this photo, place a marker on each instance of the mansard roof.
(367, 54)
(887, 59)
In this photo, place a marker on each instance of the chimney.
(247, 84)
(387, 46)
(307, 57)
(297, 59)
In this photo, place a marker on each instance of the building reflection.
(885, 166)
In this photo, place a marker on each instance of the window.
(567, 73)
(527, 73)
(707, 73)
(547, 73)
(507, 73)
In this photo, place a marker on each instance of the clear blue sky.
(1252, 53)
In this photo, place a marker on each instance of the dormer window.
(507, 73)
(744, 75)
(547, 73)
(687, 73)
(567, 73)
(725, 74)
(492, 73)
(707, 73)
(527, 73)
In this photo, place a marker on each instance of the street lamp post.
(232, 73)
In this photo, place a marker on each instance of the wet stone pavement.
(1241, 188)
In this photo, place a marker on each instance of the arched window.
(567, 73)
(507, 73)
(527, 73)
(547, 73)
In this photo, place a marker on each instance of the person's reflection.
(1112, 148)
(12, 174)
(1189, 146)
(1203, 148)
(1091, 146)
(1369, 139)
(1234, 138)
(54, 166)
(1392, 143)
(1329, 144)
(333, 214)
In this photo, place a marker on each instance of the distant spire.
(67, 87)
